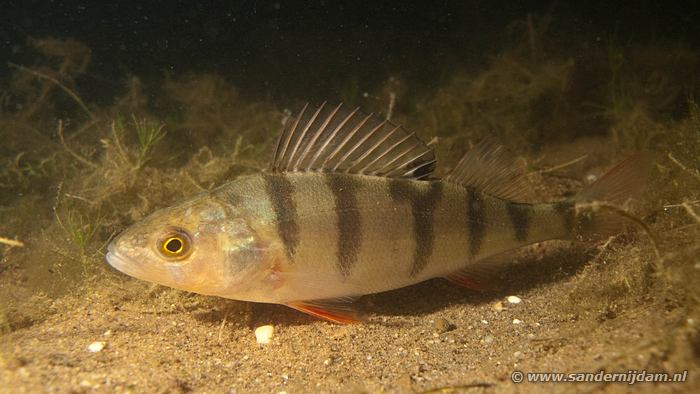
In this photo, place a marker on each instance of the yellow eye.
(175, 245)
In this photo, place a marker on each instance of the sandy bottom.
(584, 308)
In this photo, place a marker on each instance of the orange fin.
(470, 280)
(337, 310)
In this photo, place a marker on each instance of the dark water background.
(311, 49)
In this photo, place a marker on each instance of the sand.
(70, 323)
(583, 309)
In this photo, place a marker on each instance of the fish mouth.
(119, 262)
(115, 260)
(130, 266)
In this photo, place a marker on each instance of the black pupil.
(173, 245)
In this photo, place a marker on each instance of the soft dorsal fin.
(335, 139)
(491, 169)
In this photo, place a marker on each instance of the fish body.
(348, 208)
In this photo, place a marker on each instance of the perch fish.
(349, 207)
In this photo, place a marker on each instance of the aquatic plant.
(23, 170)
(504, 101)
(688, 143)
(148, 134)
(80, 227)
(32, 86)
(619, 99)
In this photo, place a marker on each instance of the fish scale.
(349, 207)
(402, 229)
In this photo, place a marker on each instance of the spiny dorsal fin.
(491, 169)
(334, 139)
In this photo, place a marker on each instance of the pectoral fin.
(482, 275)
(337, 310)
(471, 280)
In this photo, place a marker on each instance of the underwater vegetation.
(74, 174)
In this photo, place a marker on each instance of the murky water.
(109, 112)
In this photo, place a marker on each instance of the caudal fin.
(599, 209)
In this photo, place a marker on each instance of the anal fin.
(336, 310)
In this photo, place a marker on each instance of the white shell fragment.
(96, 347)
(263, 334)
(514, 299)
(517, 321)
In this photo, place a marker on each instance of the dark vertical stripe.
(423, 214)
(520, 219)
(565, 209)
(349, 223)
(476, 220)
(423, 203)
(280, 190)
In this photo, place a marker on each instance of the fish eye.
(174, 245)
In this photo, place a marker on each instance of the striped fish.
(349, 207)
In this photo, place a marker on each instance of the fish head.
(203, 245)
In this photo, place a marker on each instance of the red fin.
(335, 310)
(470, 281)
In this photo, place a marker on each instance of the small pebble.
(517, 321)
(443, 325)
(514, 299)
(86, 383)
(263, 334)
(96, 347)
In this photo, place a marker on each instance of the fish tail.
(599, 210)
